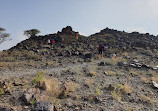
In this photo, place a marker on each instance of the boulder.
(43, 106)
(67, 30)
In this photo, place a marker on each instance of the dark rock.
(26, 97)
(43, 106)
(88, 55)
(67, 30)
(122, 63)
(6, 109)
(102, 64)
(110, 88)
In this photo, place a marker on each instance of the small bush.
(124, 89)
(52, 86)
(32, 100)
(1, 91)
(116, 95)
(39, 77)
(98, 91)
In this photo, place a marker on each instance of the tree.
(31, 32)
(3, 36)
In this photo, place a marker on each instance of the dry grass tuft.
(52, 86)
(98, 91)
(155, 78)
(116, 95)
(92, 73)
(110, 62)
(151, 73)
(1, 91)
(147, 99)
(144, 79)
(134, 72)
(128, 109)
(97, 56)
(68, 87)
(89, 82)
(126, 88)
(110, 73)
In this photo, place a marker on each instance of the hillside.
(73, 77)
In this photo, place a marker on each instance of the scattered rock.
(6, 109)
(26, 97)
(43, 106)
(122, 64)
(102, 64)
(155, 84)
(88, 55)
(110, 87)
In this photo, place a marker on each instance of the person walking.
(51, 43)
(100, 50)
(76, 35)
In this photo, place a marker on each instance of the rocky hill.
(73, 77)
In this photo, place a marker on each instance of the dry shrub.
(39, 77)
(110, 73)
(144, 79)
(68, 87)
(97, 56)
(128, 109)
(155, 79)
(123, 89)
(91, 97)
(89, 82)
(126, 88)
(151, 73)
(52, 86)
(92, 73)
(1, 89)
(147, 99)
(98, 91)
(32, 55)
(4, 64)
(116, 95)
(116, 59)
(134, 72)
(110, 62)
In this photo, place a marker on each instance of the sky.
(85, 16)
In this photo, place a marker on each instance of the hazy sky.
(85, 16)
